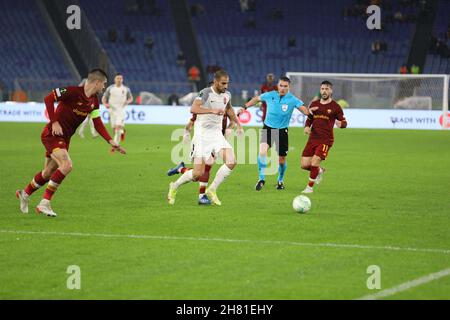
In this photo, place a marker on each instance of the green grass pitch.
(382, 189)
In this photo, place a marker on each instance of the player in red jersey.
(269, 85)
(204, 179)
(326, 112)
(75, 104)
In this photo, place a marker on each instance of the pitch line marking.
(271, 242)
(407, 285)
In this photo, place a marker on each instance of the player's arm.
(101, 129)
(341, 122)
(233, 117)
(188, 128)
(252, 102)
(59, 94)
(129, 97)
(196, 108)
(105, 97)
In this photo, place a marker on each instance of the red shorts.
(316, 148)
(51, 142)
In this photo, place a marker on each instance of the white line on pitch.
(407, 285)
(271, 242)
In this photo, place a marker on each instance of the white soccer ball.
(301, 204)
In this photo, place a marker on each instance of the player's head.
(284, 84)
(98, 79)
(270, 77)
(221, 80)
(118, 79)
(326, 90)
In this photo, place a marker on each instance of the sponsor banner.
(179, 115)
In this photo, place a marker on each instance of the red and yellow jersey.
(73, 107)
(323, 122)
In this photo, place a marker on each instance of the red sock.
(313, 176)
(183, 170)
(55, 180)
(37, 182)
(204, 180)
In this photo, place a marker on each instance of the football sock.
(202, 189)
(221, 175)
(37, 182)
(183, 170)
(117, 136)
(313, 175)
(55, 180)
(262, 164)
(281, 171)
(185, 178)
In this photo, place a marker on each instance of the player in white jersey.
(116, 98)
(210, 106)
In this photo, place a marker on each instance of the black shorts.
(278, 136)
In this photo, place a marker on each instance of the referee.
(280, 105)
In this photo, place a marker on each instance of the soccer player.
(75, 104)
(320, 130)
(210, 106)
(117, 96)
(280, 105)
(204, 179)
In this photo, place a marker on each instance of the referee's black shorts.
(278, 136)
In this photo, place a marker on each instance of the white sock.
(221, 175)
(185, 178)
(117, 137)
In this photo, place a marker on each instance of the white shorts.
(205, 148)
(117, 118)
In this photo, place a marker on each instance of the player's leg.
(313, 173)
(39, 180)
(264, 146)
(203, 184)
(224, 171)
(283, 149)
(186, 177)
(82, 127)
(94, 132)
(62, 158)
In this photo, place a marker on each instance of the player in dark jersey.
(326, 113)
(204, 179)
(74, 105)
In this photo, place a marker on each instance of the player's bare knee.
(66, 167)
(196, 174)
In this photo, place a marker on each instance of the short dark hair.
(118, 74)
(220, 73)
(327, 83)
(97, 74)
(285, 79)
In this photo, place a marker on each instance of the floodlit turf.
(382, 189)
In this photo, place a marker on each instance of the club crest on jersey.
(225, 100)
(92, 106)
(329, 111)
(284, 107)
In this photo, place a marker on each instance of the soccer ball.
(301, 204)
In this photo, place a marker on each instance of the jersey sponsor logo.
(284, 107)
(80, 113)
(319, 116)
